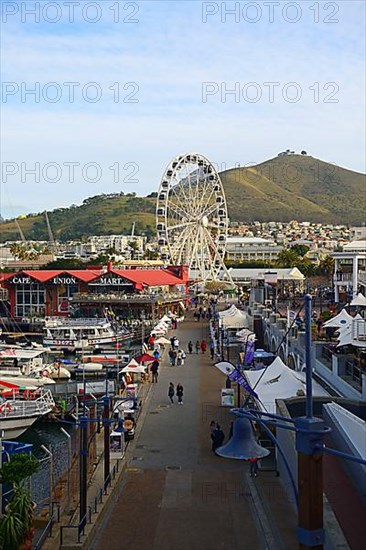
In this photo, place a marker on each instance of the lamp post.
(106, 414)
(142, 317)
(69, 462)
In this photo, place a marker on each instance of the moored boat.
(80, 334)
(19, 412)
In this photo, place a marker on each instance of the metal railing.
(80, 527)
(47, 531)
(354, 372)
(91, 509)
(121, 297)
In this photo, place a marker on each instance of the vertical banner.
(249, 353)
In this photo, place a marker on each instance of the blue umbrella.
(262, 354)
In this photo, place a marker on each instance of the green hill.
(100, 215)
(281, 189)
(295, 187)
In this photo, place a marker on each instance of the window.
(30, 300)
(65, 292)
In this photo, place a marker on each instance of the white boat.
(18, 414)
(28, 366)
(80, 334)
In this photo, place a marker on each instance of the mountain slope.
(281, 189)
(295, 187)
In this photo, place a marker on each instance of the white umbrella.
(133, 363)
(162, 340)
(138, 369)
(165, 319)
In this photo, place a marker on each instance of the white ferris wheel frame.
(191, 216)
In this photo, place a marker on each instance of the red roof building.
(42, 293)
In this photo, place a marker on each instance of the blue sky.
(161, 60)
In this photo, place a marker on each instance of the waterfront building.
(284, 277)
(251, 249)
(37, 293)
(349, 271)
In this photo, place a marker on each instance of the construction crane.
(52, 243)
(20, 232)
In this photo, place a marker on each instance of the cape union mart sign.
(58, 280)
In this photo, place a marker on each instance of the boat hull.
(14, 427)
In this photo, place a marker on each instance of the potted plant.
(16, 526)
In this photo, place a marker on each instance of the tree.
(16, 524)
(326, 267)
(288, 258)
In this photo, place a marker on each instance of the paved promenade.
(178, 495)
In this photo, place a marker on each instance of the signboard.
(131, 391)
(227, 397)
(65, 280)
(110, 280)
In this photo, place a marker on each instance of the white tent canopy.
(353, 334)
(342, 319)
(359, 300)
(279, 382)
(231, 311)
(246, 334)
(239, 320)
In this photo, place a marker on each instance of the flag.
(235, 375)
(249, 352)
(225, 367)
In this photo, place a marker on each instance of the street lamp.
(69, 462)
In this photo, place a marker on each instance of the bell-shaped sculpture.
(242, 445)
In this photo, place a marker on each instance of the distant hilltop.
(295, 186)
(289, 186)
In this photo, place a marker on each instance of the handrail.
(94, 508)
(80, 526)
(47, 531)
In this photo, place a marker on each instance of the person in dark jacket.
(171, 392)
(179, 392)
(154, 369)
(217, 437)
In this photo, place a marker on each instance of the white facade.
(255, 249)
(350, 269)
(119, 242)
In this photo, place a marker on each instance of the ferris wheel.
(191, 217)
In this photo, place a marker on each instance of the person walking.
(176, 343)
(198, 345)
(154, 369)
(171, 392)
(190, 346)
(171, 357)
(212, 350)
(253, 467)
(179, 392)
(217, 437)
(174, 357)
(180, 358)
(203, 346)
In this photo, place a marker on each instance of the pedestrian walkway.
(177, 494)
